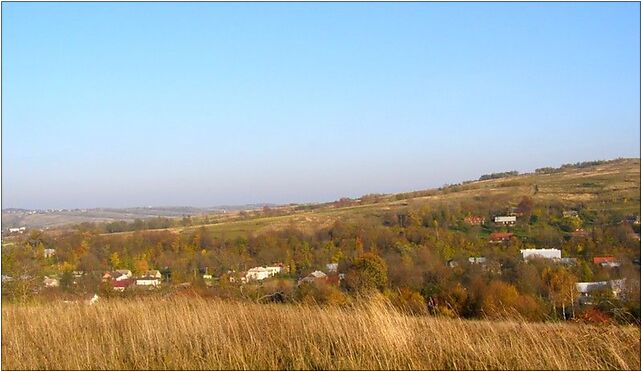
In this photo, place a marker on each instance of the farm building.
(148, 281)
(498, 237)
(505, 220)
(262, 272)
(606, 261)
(551, 253)
(314, 277)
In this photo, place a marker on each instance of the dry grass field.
(193, 333)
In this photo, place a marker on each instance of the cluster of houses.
(123, 278)
(260, 273)
(19, 230)
(585, 289)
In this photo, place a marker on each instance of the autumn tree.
(366, 273)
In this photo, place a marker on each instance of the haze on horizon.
(204, 104)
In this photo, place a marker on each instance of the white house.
(313, 277)
(148, 281)
(51, 282)
(477, 260)
(262, 272)
(153, 274)
(617, 286)
(332, 267)
(49, 252)
(551, 253)
(125, 272)
(118, 275)
(506, 220)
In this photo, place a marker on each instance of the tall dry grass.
(191, 333)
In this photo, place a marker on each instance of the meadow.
(194, 333)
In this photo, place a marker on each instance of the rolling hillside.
(611, 187)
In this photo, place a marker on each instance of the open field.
(193, 333)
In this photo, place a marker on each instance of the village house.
(474, 220)
(153, 274)
(314, 277)
(117, 275)
(477, 260)
(505, 220)
(551, 253)
(332, 267)
(148, 281)
(498, 237)
(587, 290)
(568, 261)
(51, 282)
(606, 261)
(49, 252)
(570, 213)
(262, 272)
(17, 229)
(77, 273)
(122, 284)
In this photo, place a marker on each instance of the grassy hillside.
(190, 333)
(606, 187)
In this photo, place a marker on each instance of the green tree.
(366, 273)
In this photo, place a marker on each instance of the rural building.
(262, 272)
(551, 253)
(314, 277)
(117, 275)
(121, 285)
(17, 229)
(477, 260)
(49, 252)
(568, 261)
(587, 289)
(498, 237)
(51, 282)
(505, 220)
(332, 267)
(474, 220)
(153, 274)
(148, 281)
(606, 261)
(570, 213)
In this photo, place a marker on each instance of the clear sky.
(202, 104)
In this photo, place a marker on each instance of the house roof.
(122, 283)
(148, 278)
(501, 235)
(603, 259)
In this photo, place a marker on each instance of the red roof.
(474, 219)
(122, 283)
(501, 235)
(603, 259)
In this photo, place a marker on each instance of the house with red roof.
(606, 261)
(499, 237)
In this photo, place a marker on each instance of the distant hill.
(49, 218)
(597, 185)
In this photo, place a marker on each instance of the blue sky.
(202, 104)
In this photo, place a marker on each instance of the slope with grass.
(193, 333)
(613, 186)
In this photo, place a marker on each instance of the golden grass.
(192, 333)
